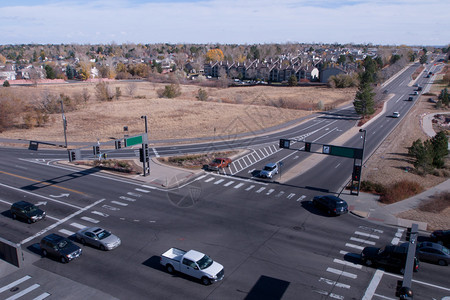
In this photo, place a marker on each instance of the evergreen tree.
(6, 83)
(50, 72)
(292, 80)
(422, 154)
(440, 149)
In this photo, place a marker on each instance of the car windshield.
(269, 168)
(103, 234)
(30, 208)
(62, 244)
(205, 262)
(216, 161)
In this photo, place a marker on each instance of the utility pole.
(145, 152)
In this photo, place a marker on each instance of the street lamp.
(145, 164)
(364, 143)
(145, 119)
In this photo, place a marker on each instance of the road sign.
(135, 140)
(342, 151)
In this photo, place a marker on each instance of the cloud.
(233, 21)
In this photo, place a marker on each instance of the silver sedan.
(98, 237)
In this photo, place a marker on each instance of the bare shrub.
(437, 203)
(131, 88)
(103, 91)
(400, 190)
(202, 95)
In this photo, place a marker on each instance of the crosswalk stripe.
(134, 194)
(229, 183)
(79, 226)
(141, 190)
(42, 296)
(342, 273)
(290, 195)
(99, 213)
(90, 220)
(25, 291)
(362, 241)
(14, 283)
(347, 263)
(219, 181)
(209, 179)
(238, 185)
(127, 198)
(66, 232)
(279, 194)
(249, 188)
(260, 189)
(373, 236)
(119, 203)
(270, 191)
(354, 246)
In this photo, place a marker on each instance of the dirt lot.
(227, 111)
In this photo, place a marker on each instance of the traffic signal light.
(141, 154)
(96, 150)
(408, 234)
(146, 152)
(118, 144)
(285, 144)
(356, 176)
(72, 156)
(307, 147)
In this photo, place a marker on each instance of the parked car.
(410, 98)
(27, 211)
(415, 93)
(269, 170)
(396, 114)
(59, 247)
(98, 237)
(433, 252)
(441, 237)
(331, 204)
(192, 263)
(390, 257)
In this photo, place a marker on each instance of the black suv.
(441, 237)
(390, 257)
(59, 247)
(27, 211)
(331, 204)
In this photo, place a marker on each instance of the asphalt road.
(272, 242)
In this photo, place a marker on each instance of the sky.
(378, 22)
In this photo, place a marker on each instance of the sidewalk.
(366, 205)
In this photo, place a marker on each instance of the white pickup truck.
(192, 263)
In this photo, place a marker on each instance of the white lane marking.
(347, 263)
(421, 282)
(249, 188)
(229, 183)
(331, 295)
(134, 194)
(346, 253)
(99, 213)
(219, 181)
(260, 189)
(354, 246)
(334, 283)
(90, 220)
(290, 195)
(251, 171)
(370, 291)
(119, 203)
(342, 273)
(40, 196)
(127, 198)
(384, 297)
(14, 283)
(270, 191)
(79, 226)
(24, 292)
(156, 152)
(66, 232)
(373, 236)
(145, 191)
(238, 185)
(362, 241)
(209, 179)
(301, 198)
(62, 221)
(397, 237)
(42, 296)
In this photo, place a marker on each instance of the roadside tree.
(292, 80)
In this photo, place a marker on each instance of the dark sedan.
(331, 204)
(434, 253)
(441, 237)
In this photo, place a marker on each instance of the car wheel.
(206, 281)
(44, 252)
(63, 259)
(368, 262)
(102, 248)
(14, 216)
(169, 268)
(442, 262)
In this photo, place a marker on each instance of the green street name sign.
(342, 151)
(135, 140)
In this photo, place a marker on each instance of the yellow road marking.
(43, 182)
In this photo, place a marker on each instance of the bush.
(169, 91)
(372, 187)
(437, 203)
(202, 95)
(399, 191)
(6, 83)
(103, 92)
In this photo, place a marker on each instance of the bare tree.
(131, 88)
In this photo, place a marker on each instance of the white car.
(269, 170)
(98, 237)
(396, 114)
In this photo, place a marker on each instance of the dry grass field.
(226, 112)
